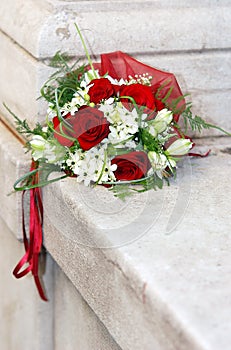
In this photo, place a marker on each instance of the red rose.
(60, 129)
(142, 94)
(89, 126)
(101, 90)
(131, 166)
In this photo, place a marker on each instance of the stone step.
(166, 26)
(156, 268)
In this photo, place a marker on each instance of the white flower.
(88, 77)
(80, 98)
(92, 165)
(164, 115)
(50, 150)
(144, 79)
(116, 81)
(160, 123)
(158, 161)
(123, 123)
(179, 147)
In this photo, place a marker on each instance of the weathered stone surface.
(25, 321)
(22, 77)
(75, 324)
(156, 282)
(13, 163)
(165, 26)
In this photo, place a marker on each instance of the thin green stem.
(86, 50)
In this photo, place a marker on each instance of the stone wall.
(117, 280)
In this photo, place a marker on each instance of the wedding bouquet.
(113, 123)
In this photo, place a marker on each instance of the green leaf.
(197, 123)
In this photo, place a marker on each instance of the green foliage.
(197, 123)
(127, 188)
(150, 143)
(26, 182)
(23, 127)
(64, 82)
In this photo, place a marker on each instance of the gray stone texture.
(13, 164)
(26, 322)
(75, 325)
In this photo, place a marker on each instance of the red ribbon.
(34, 244)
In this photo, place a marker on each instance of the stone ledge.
(13, 163)
(51, 25)
(206, 93)
(163, 253)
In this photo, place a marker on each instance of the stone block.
(23, 77)
(160, 255)
(25, 321)
(13, 163)
(75, 324)
(113, 25)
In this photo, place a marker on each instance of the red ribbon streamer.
(34, 244)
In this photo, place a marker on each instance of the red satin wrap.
(120, 65)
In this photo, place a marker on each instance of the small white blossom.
(92, 165)
(164, 115)
(144, 79)
(116, 81)
(123, 123)
(80, 98)
(158, 161)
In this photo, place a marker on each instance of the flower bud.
(38, 143)
(179, 147)
(86, 97)
(164, 116)
(161, 122)
(158, 161)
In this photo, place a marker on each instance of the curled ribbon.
(32, 245)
